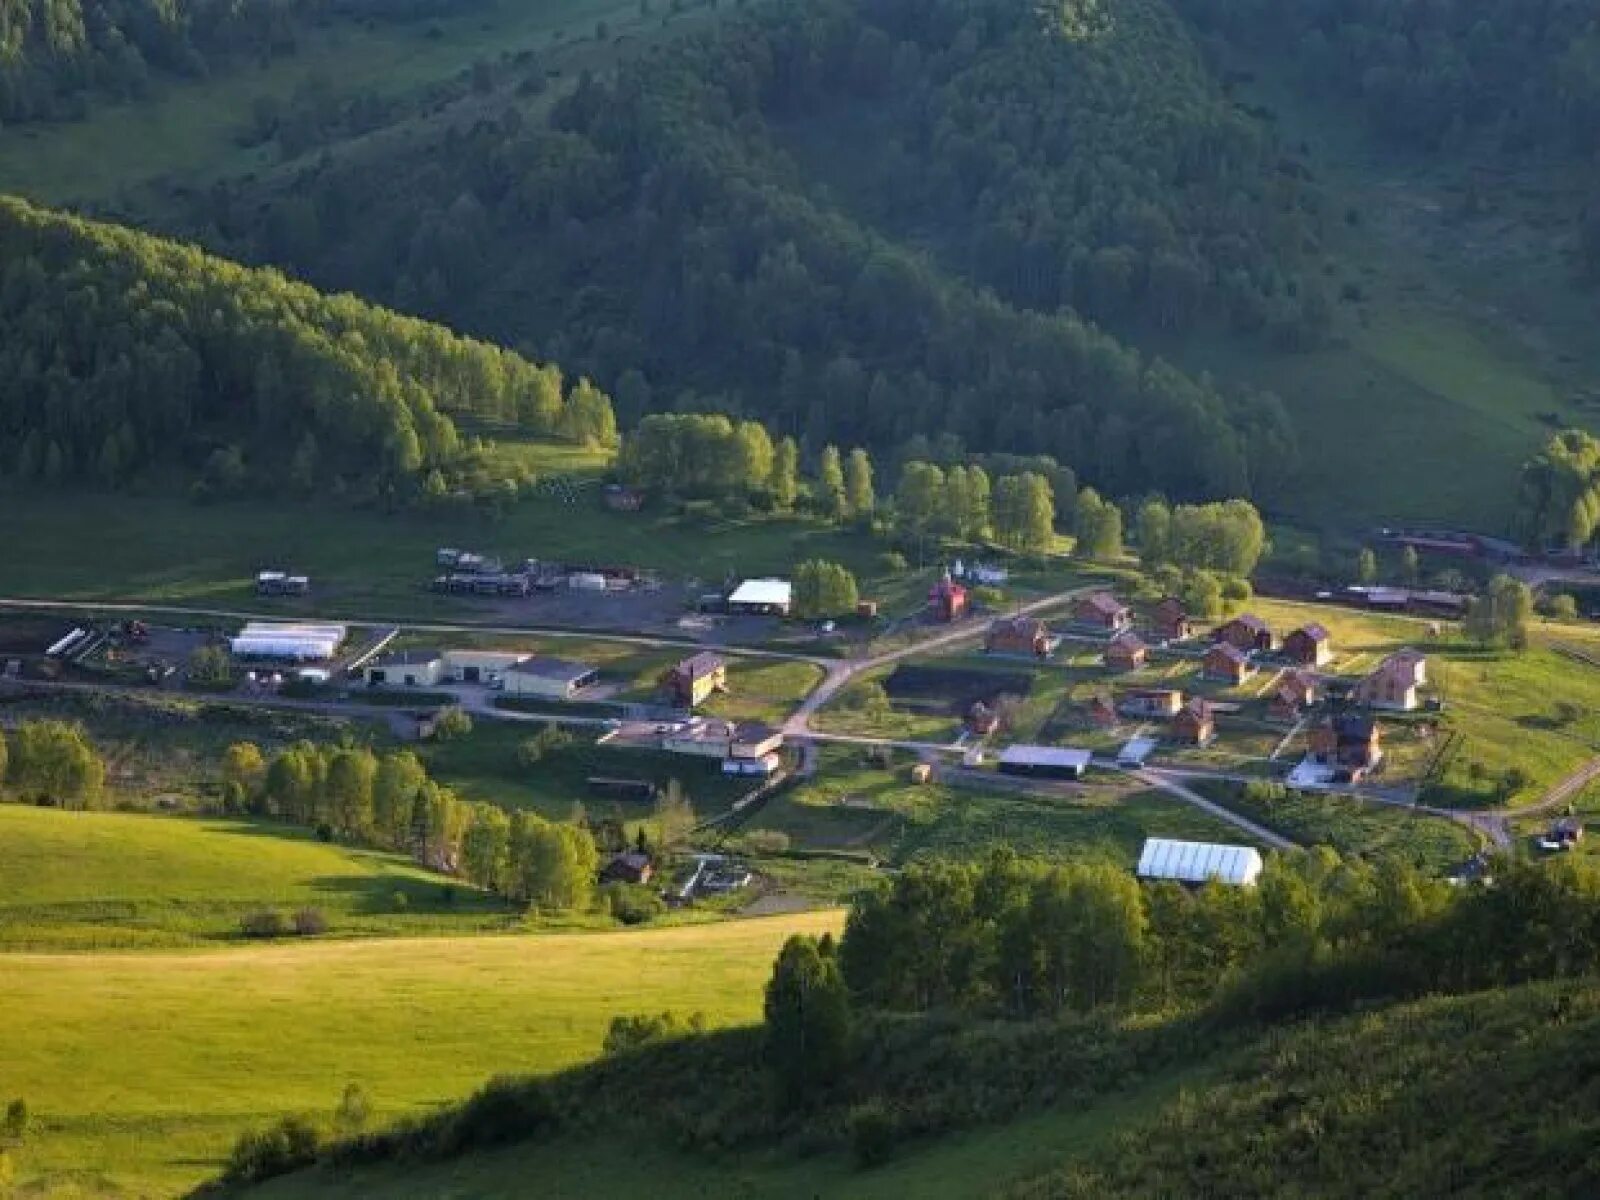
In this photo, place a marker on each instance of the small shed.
(1050, 762)
(631, 868)
(1199, 862)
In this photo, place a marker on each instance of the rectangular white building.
(1199, 862)
(762, 597)
(549, 678)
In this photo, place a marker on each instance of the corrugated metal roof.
(1046, 756)
(1197, 862)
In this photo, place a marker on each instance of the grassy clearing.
(483, 766)
(370, 564)
(100, 880)
(856, 806)
(147, 1096)
(765, 691)
(1354, 828)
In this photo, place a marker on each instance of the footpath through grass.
(143, 1068)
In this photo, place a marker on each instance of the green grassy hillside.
(141, 1069)
(93, 880)
(1390, 1103)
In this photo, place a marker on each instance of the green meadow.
(141, 1069)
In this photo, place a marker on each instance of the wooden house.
(1309, 646)
(1171, 620)
(1102, 713)
(1296, 692)
(1394, 682)
(1196, 723)
(1020, 635)
(628, 868)
(1350, 743)
(1127, 652)
(1103, 611)
(1245, 632)
(1226, 663)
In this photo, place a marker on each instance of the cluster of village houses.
(1346, 746)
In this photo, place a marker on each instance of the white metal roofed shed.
(1199, 862)
(1059, 762)
(763, 596)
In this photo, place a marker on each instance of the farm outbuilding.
(1051, 762)
(477, 666)
(405, 668)
(1199, 862)
(549, 678)
(762, 598)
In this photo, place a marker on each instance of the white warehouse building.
(1199, 862)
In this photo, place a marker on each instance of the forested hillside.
(127, 356)
(1520, 76)
(666, 232)
(56, 55)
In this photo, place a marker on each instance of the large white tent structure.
(286, 640)
(1199, 862)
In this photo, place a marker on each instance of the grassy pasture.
(483, 766)
(74, 880)
(370, 564)
(142, 1068)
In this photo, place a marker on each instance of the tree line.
(389, 801)
(130, 357)
(656, 234)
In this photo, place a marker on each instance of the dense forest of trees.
(55, 55)
(659, 233)
(127, 356)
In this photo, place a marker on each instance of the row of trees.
(126, 355)
(960, 503)
(390, 801)
(52, 762)
(1227, 537)
(1025, 939)
(710, 455)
